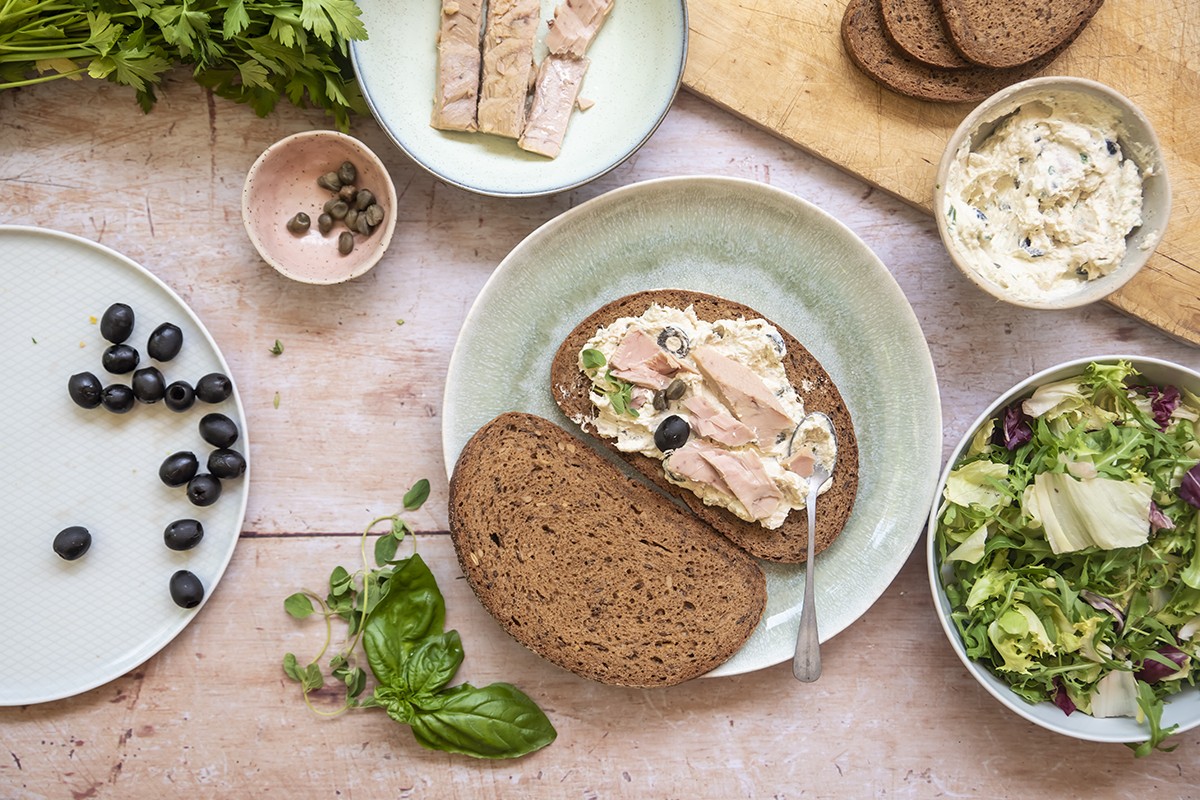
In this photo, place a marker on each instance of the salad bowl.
(952, 595)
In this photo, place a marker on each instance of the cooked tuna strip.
(559, 79)
(457, 94)
(575, 24)
(507, 65)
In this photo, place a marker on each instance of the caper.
(347, 192)
(364, 199)
(337, 209)
(675, 390)
(330, 181)
(374, 214)
(347, 172)
(299, 223)
(660, 400)
(363, 225)
(345, 242)
(324, 223)
(351, 219)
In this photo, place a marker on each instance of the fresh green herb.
(34, 340)
(618, 392)
(592, 358)
(250, 51)
(1083, 157)
(1057, 580)
(277, 348)
(397, 613)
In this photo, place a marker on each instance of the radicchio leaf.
(1189, 490)
(1061, 698)
(1102, 603)
(1154, 671)
(1158, 520)
(1015, 428)
(1163, 402)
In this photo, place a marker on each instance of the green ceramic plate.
(784, 257)
(637, 64)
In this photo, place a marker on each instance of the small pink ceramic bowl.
(283, 181)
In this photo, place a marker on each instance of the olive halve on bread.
(785, 542)
(590, 568)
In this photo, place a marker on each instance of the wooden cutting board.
(780, 65)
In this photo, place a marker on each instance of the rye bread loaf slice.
(590, 568)
(789, 542)
(870, 49)
(918, 28)
(1013, 32)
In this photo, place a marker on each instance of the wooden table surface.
(358, 420)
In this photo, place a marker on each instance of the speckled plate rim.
(595, 144)
(100, 674)
(835, 296)
(1182, 709)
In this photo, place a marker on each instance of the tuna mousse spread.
(1045, 202)
(712, 401)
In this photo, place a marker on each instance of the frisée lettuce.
(1068, 539)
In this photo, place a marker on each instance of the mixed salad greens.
(1068, 538)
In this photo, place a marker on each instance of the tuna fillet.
(575, 24)
(457, 94)
(507, 65)
(558, 82)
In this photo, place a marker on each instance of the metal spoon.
(806, 664)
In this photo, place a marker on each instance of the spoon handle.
(806, 664)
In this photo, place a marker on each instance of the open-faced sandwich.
(719, 406)
(590, 568)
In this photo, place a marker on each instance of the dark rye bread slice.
(864, 40)
(590, 568)
(789, 542)
(1008, 33)
(917, 28)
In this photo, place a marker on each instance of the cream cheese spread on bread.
(749, 445)
(1045, 202)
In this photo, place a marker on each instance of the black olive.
(186, 589)
(120, 359)
(117, 398)
(672, 433)
(72, 542)
(213, 388)
(674, 341)
(180, 396)
(148, 385)
(178, 468)
(183, 534)
(85, 389)
(165, 343)
(226, 463)
(204, 489)
(117, 323)
(218, 430)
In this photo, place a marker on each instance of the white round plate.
(70, 626)
(637, 65)
(782, 256)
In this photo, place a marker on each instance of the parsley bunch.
(250, 51)
(398, 615)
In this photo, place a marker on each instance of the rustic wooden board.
(780, 65)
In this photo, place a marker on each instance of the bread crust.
(590, 568)
(786, 544)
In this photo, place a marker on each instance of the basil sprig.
(399, 614)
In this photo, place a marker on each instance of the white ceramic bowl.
(283, 181)
(1137, 141)
(1182, 709)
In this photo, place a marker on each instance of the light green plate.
(784, 257)
(637, 65)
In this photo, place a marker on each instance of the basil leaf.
(411, 609)
(432, 664)
(417, 495)
(299, 605)
(496, 721)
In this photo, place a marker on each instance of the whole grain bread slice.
(1014, 32)
(870, 49)
(788, 543)
(590, 568)
(918, 28)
